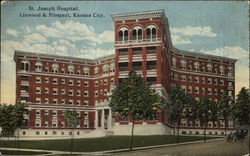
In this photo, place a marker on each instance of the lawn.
(9, 152)
(100, 144)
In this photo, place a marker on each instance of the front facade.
(50, 84)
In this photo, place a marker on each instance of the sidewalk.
(109, 152)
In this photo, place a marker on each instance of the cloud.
(35, 37)
(194, 31)
(232, 52)
(12, 32)
(75, 31)
(95, 53)
(176, 39)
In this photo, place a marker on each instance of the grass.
(100, 144)
(10, 152)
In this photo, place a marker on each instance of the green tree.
(174, 105)
(241, 109)
(224, 109)
(72, 118)
(207, 111)
(11, 117)
(133, 97)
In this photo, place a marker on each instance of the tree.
(11, 117)
(241, 110)
(224, 109)
(174, 105)
(134, 98)
(72, 118)
(207, 111)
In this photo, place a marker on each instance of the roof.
(70, 58)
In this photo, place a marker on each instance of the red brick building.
(50, 84)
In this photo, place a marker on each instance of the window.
(55, 91)
(197, 79)
(174, 62)
(38, 79)
(86, 83)
(137, 34)
(78, 82)
(25, 66)
(190, 78)
(209, 68)
(46, 124)
(221, 91)
(78, 102)
(63, 91)
(151, 33)
(38, 123)
(46, 100)
(86, 93)
(71, 82)
(203, 90)
(215, 91)
(183, 77)
(151, 65)
(222, 70)
(190, 67)
(175, 76)
(86, 71)
(71, 102)
(54, 101)
(137, 66)
(54, 124)
(137, 51)
(105, 68)
(46, 90)
(112, 67)
(105, 81)
(123, 35)
(190, 89)
(96, 83)
(123, 66)
(222, 82)
(24, 78)
(197, 66)
(55, 81)
(151, 50)
(209, 91)
(63, 81)
(71, 92)
(63, 101)
(96, 93)
(46, 80)
(86, 102)
(38, 66)
(183, 64)
(71, 69)
(62, 70)
(38, 112)
(184, 88)
(215, 81)
(62, 124)
(46, 112)
(55, 68)
(78, 92)
(151, 80)
(38, 90)
(209, 80)
(46, 69)
(203, 80)
(197, 90)
(96, 70)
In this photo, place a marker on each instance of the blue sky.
(219, 28)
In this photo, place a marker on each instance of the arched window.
(137, 34)
(71, 69)
(55, 68)
(197, 66)
(105, 69)
(151, 33)
(183, 64)
(222, 70)
(174, 62)
(112, 67)
(86, 71)
(25, 66)
(96, 71)
(38, 66)
(123, 35)
(209, 68)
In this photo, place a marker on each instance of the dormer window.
(151, 33)
(38, 66)
(25, 66)
(55, 68)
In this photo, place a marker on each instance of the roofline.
(70, 58)
(202, 55)
(130, 15)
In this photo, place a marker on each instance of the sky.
(218, 28)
